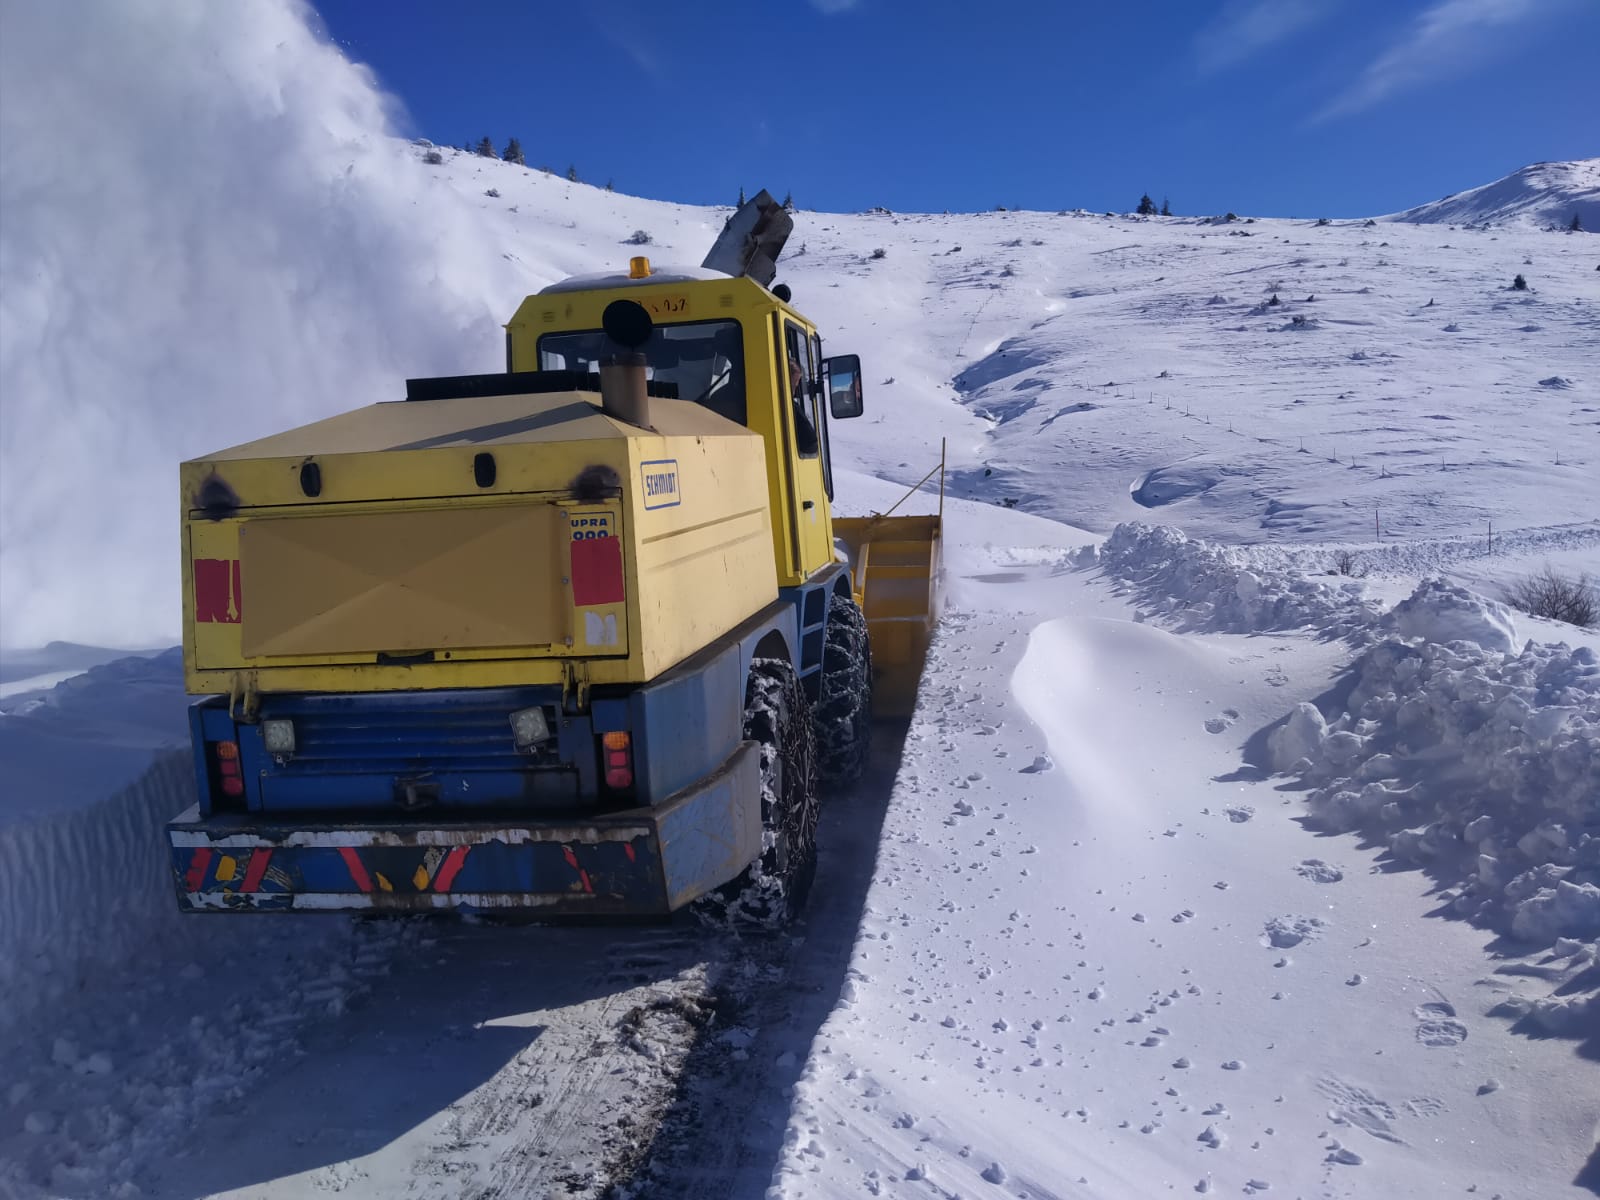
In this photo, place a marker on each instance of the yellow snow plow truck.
(583, 638)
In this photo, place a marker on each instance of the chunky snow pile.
(1475, 761)
(1204, 586)
(1438, 612)
(1543, 195)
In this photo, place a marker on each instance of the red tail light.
(227, 754)
(617, 753)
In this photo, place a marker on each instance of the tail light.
(616, 750)
(229, 776)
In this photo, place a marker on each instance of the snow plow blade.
(638, 862)
(895, 567)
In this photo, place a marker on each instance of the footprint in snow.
(1318, 871)
(1041, 763)
(1223, 723)
(1436, 1025)
(1282, 932)
(1239, 813)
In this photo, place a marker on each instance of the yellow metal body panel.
(895, 571)
(406, 581)
(401, 553)
(800, 522)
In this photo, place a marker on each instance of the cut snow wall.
(84, 890)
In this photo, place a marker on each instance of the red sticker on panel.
(597, 572)
(217, 594)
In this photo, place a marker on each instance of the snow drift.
(1459, 752)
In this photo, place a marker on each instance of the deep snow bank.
(1464, 754)
(89, 773)
(1478, 762)
(94, 954)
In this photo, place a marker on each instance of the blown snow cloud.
(207, 237)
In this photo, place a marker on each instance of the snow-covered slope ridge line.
(1545, 196)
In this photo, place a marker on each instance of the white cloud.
(208, 236)
(1449, 37)
(829, 7)
(1245, 27)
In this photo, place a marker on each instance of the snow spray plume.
(209, 233)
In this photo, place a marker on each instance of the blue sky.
(1271, 107)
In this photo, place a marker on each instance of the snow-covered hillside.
(1199, 869)
(1541, 196)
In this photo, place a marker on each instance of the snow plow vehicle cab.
(570, 640)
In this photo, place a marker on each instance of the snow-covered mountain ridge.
(1545, 195)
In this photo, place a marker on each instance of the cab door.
(802, 367)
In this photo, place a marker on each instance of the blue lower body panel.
(640, 862)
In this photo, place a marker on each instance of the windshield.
(705, 359)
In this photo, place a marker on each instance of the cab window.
(802, 390)
(704, 359)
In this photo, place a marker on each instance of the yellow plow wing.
(894, 565)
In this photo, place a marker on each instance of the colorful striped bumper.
(645, 861)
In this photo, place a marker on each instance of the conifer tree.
(1147, 206)
(486, 148)
(1166, 209)
(513, 153)
(572, 173)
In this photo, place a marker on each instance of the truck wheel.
(844, 714)
(772, 890)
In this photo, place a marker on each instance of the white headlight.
(278, 737)
(529, 726)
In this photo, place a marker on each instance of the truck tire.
(772, 890)
(844, 713)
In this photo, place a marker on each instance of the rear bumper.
(642, 862)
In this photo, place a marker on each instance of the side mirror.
(844, 386)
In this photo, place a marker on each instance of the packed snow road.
(284, 1059)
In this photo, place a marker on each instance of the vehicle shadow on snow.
(723, 1133)
(459, 1003)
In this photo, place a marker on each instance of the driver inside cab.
(805, 433)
